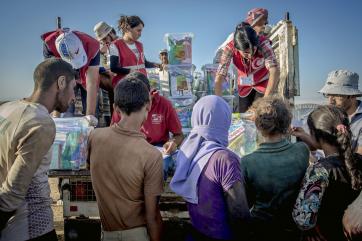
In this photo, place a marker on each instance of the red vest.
(128, 60)
(255, 70)
(91, 47)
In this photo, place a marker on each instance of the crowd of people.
(281, 191)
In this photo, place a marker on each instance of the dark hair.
(245, 37)
(142, 77)
(322, 123)
(131, 94)
(272, 115)
(129, 21)
(113, 31)
(48, 72)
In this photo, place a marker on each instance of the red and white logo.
(258, 63)
(156, 118)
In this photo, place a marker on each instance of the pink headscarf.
(255, 14)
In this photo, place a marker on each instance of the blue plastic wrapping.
(154, 79)
(183, 109)
(179, 47)
(180, 81)
(69, 150)
(210, 75)
(242, 136)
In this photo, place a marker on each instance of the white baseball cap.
(71, 49)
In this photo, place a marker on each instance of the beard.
(60, 105)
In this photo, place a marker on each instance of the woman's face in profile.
(136, 32)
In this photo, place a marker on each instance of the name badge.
(245, 81)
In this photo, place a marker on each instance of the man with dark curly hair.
(273, 173)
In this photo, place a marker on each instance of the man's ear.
(116, 108)
(61, 82)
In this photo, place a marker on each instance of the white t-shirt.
(134, 50)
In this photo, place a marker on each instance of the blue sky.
(330, 32)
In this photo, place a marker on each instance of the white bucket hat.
(71, 49)
(101, 30)
(163, 51)
(341, 82)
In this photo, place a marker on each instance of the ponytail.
(126, 22)
(331, 124)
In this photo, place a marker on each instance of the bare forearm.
(154, 226)
(92, 87)
(273, 81)
(218, 85)
(91, 99)
(309, 141)
(238, 209)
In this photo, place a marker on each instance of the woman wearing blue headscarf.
(208, 175)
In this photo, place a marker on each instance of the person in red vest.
(82, 52)
(254, 59)
(257, 18)
(126, 53)
(161, 121)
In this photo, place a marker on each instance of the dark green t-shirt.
(273, 175)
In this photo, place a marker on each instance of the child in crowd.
(126, 171)
(208, 175)
(330, 183)
(273, 173)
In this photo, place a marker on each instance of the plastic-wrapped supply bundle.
(199, 86)
(242, 135)
(179, 48)
(154, 79)
(210, 75)
(300, 115)
(180, 81)
(230, 100)
(183, 109)
(69, 150)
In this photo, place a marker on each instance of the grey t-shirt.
(26, 135)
